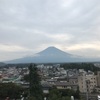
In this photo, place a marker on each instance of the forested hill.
(85, 66)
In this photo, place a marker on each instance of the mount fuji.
(50, 55)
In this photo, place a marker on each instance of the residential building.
(87, 82)
(66, 85)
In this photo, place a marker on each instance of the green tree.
(77, 94)
(54, 94)
(35, 88)
(66, 98)
(26, 78)
(69, 93)
(10, 90)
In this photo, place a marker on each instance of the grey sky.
(29, 26)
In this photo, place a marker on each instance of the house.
(46, 87)
(66, 85)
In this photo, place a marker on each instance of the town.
(87, 82)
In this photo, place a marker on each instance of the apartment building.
(87, 82)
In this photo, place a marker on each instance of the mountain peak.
(52, 50)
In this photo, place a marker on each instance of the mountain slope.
(49, 55)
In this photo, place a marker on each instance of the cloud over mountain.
(37, 24)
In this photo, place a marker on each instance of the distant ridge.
(2, 64)
(51, 55)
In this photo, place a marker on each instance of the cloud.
(12, 48)
(32, 25)
(85, 46)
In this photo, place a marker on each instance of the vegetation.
(26, 78)
(66, 94)
(35, 88)
(10, 90)
(85, 66)
(54, 94)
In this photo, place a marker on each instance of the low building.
(46, 87)
(66, 85)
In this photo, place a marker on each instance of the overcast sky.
(29, 26)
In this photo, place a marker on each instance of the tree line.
(85, 66)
